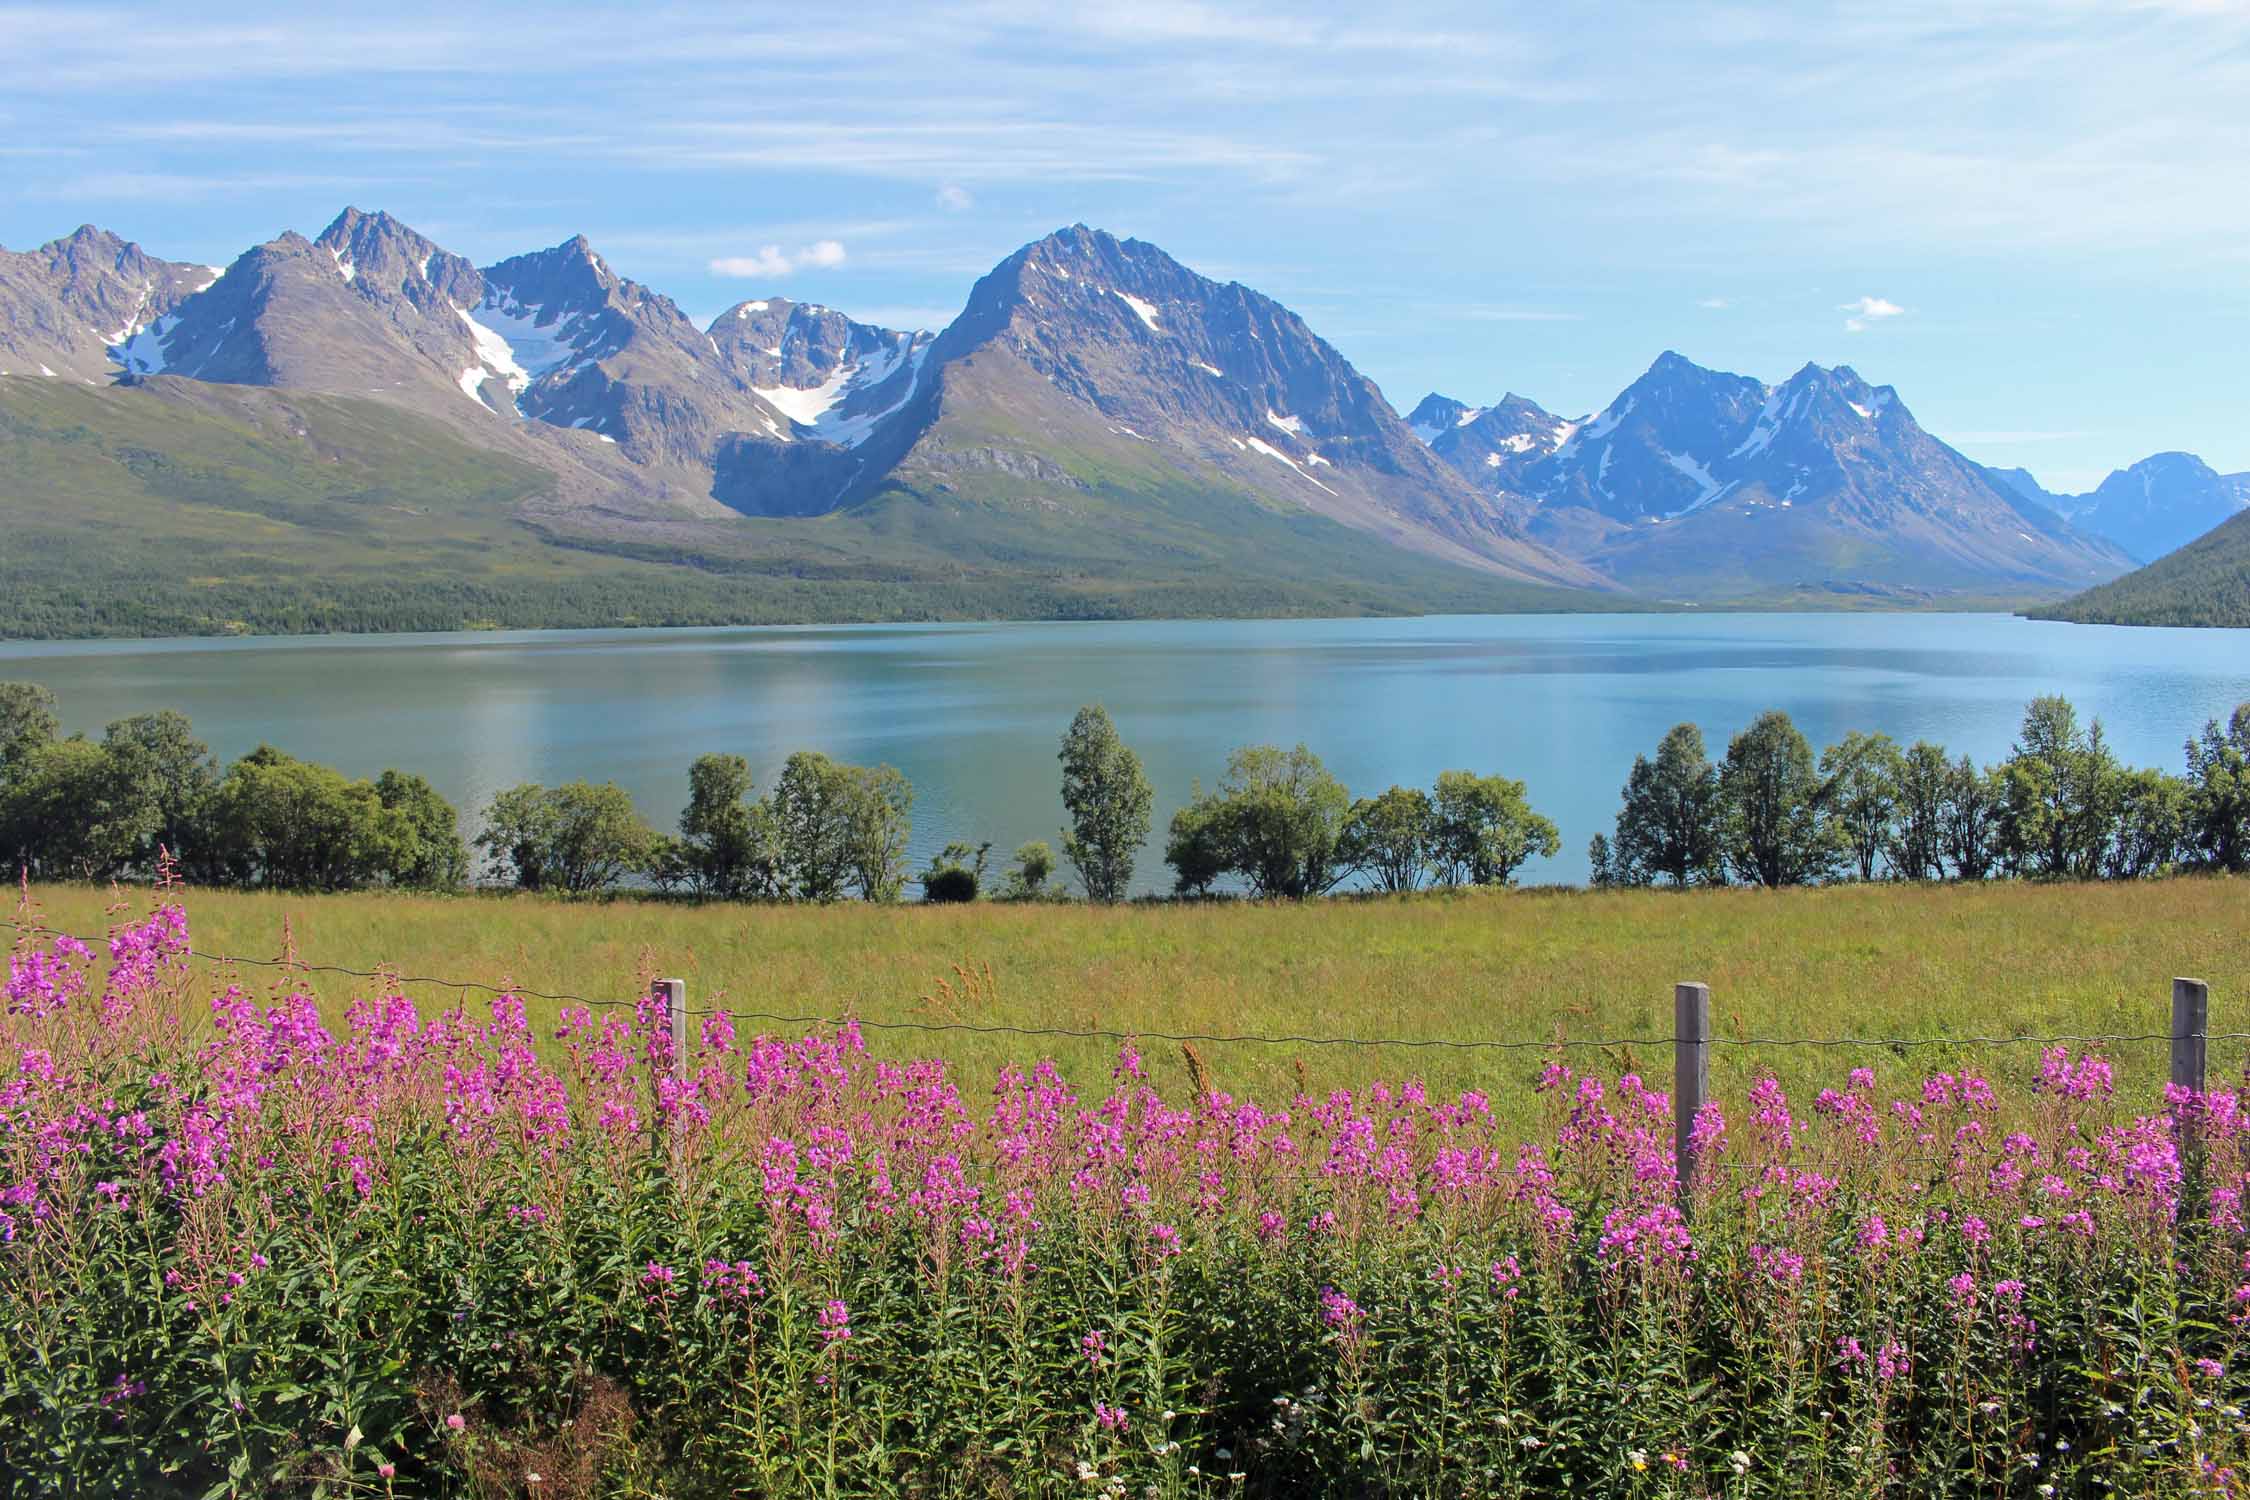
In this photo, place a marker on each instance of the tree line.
(1277, 825)
(2060, 806)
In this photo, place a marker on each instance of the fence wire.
(1209, 1038)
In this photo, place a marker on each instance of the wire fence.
(1206, 1038)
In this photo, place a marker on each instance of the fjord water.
(972, 713)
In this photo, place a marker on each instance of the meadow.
(296, 1236)
(1880, 960)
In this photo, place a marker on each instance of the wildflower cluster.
(246, 1241)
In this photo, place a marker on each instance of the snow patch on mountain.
(1709, 488)
(1768, 425)
(143, 353)
(821, 407)
(1145, 311)
(1270, 451)
(1294, 426)
(511, 340)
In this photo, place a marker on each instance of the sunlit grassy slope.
(1907, 962)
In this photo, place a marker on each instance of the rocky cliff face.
(1116, 362)
(65, 305)
(1701, 483)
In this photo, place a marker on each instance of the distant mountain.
(1492, 443)
(2024, 484)
(2160, 504)
(1143, 441)
(1093, 383)
(1701, 484)
(1101, 430)
(64, 305)
(2205, 583)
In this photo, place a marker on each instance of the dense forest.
(2207, 582)
(1276, 825)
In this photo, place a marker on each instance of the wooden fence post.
(673, 994)
(1691, 1076)
(2191, 1021)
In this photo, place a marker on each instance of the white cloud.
(954, 198)
(772, 261)
(1865, 311)
(1715, 303)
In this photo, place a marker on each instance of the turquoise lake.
(972, 713)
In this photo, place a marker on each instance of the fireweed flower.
(1339, 1311)
(1092, 1345)
(835, 1326)
(1110, 1418)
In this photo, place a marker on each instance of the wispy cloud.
(772, 261)
(1715, 304)
(1868, 311)
(954, 198)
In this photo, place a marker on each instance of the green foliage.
(727, 845)
(1973, 812)
(574, 839)
(956, 873)
(2219, 793)
(174, 772)
(27, 721)
(812, 820)
(1863, 774)
(425, 851)
(838, 826)
(2151, 810)
(1917, 843)
(1668, 828)
(2057, 794)
(1027, 881)
(66, 813)
(879, 801)
(1485, 829)
(81, 810)
(1108, 799)
(1195, 845)
(1276, 821)
(274, 820)
(1389, 838)
(1773, 827)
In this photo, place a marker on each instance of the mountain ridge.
(1092, 389)
(1697, 482)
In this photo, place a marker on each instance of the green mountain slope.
(184, 508)
(2207, 582)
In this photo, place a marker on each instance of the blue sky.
(2031, 216)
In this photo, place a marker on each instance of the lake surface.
(973, 713)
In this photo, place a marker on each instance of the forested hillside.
(2207, 582)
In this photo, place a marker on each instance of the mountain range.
(1100, 431)
(2154, 507)
(1699, 484)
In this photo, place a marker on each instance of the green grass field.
(1890, 961)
